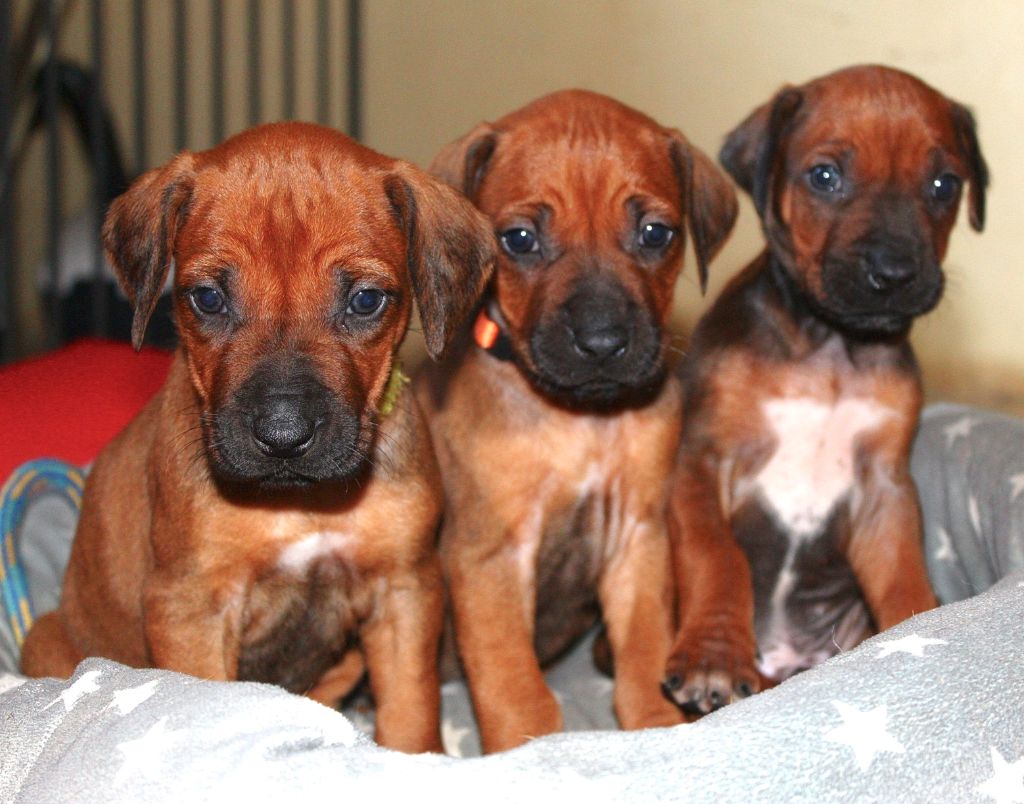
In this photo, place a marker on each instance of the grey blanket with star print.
(969, 469)
(932, 710)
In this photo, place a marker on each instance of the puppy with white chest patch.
(271, 514)
(794, 519)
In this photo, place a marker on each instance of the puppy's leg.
(886, 555)
(400, 642)
(885, 550)
(493, 605)
(48, 650)
(713, 659)
(192, 625)
(340, 680)
(636, 598)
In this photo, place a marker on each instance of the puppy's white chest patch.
(298, 555)
(812, 467)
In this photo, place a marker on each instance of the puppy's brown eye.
(366, 302)
(945, 187)
(517, 241)
(207, 300)
(825, 178)
(655, 235)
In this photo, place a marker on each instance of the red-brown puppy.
(275, 505)
(793, 514)
(556, 430)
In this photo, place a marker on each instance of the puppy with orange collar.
(795, 521)
(556, 429)
(273, 510)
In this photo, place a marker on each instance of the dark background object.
(44, 95)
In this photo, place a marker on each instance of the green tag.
(396, 382)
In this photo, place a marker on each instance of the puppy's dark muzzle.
(599, 346)
(283, 427)
(881, 285)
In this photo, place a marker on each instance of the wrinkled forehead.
(294, 206)
(886, 128)
(579, 169)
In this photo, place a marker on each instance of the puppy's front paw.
(706, 671)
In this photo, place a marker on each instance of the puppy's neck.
(490, 336)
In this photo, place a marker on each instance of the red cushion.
(69, 403)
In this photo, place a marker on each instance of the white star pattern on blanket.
(913, 644)
(603, 686)
(974, 513)
(127, 700)
(146, 753)
(1016, 486)
(451, 737)
(362, 719)
(73, 694)
(865, 733)
(961, 427)
(944, 552)
(1007, 782)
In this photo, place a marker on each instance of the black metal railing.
(49, 99)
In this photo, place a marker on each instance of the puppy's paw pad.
(702, 685)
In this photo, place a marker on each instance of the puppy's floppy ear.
(450, 251)
(139, 233)
(971, 152)
(463, 163)
(709, 201)
(751, 150)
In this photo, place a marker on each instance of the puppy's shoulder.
(739, 319)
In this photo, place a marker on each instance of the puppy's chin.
(598, 393)
(879, 320)
(282, 474)
(233, 458)
(869, 327)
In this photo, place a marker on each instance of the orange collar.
(490, 338)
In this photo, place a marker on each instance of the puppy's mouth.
(598, 392)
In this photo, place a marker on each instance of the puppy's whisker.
(188, 430)
(383, 458)
(198, 456)
(194, 442)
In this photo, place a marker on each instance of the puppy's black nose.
(886, 271)
(282, 429)
(600, 342)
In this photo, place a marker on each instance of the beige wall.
(436, 67)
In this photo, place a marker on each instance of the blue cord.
(28, 482)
